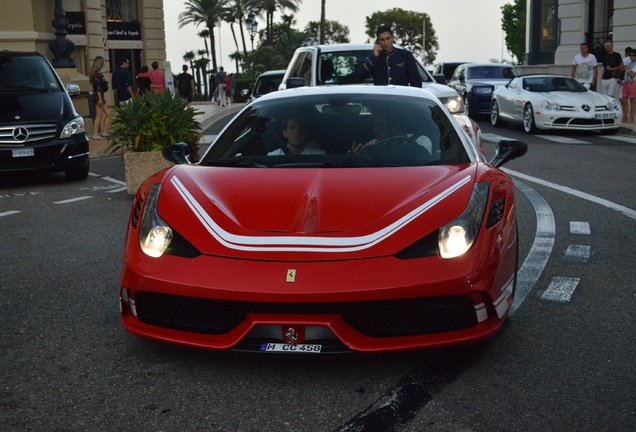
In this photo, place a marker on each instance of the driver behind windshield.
(295, 132)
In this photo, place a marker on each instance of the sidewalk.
(210, 112)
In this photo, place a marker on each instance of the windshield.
(335, 68)
(492, 72)
(548, 84)
(26, 73)
(339, 130)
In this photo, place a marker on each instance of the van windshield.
(26, 73)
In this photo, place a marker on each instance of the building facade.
(556, 28)
(108, 28)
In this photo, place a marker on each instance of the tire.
(495, 119)
(528, 119)
(77, 173)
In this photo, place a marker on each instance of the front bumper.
(347, 306)
(48, 156)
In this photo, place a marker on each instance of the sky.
(467, 30)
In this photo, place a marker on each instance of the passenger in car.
(385, 127)
(295, 132)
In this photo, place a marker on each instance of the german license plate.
(289, 348)
(605, 116)
(24, 152)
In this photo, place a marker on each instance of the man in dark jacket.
(388, 64)
(122, 82)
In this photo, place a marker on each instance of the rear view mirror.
(295, 82)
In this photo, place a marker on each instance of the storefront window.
(121, 10)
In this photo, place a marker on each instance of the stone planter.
(141, 165)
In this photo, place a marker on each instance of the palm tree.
(189, 56)
(205, 34)
(238, 10)
(206, 12)
(270, 7)
(202, 62)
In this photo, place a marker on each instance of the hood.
(494, 83)
(310, 213)
(31, 106)
(439, 90)
(564, 98)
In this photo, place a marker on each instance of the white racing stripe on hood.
(302, 243)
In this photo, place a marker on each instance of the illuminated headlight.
(550, 106)
(154, 234)
(613, 105)
(482, 90)
(454, 104)
(456, 238)
(73, 127)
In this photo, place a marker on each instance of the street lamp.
(252, 27)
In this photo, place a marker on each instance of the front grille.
(36, 132)
(378, 319)
(566, 121)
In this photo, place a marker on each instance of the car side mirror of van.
(295, 82)
(507, 150)
(72, 89)
(439, 78)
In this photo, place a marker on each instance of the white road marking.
(541, 249)
(630, 213)
(562, 139)
(9, 213)
(560, 289)
(580, 228)
(577, 254)
(73, 200)
(493, 137)
(622, 138)
(112, 180)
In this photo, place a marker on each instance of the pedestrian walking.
(613, 69)
(219, 80)
(122, 82)
(100, 87)
(185, 85)
(143, 83)
(157, 78)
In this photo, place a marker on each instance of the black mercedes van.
(39, 127)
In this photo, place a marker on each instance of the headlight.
(454, 104)
(550, 106)
(613, 105)
(482, 90)
(73, 127)
(154, 234)
(458, 236)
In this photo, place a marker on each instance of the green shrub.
(151, 122)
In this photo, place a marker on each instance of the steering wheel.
(395, 141)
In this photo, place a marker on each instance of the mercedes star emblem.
(20, 134)
(586, 108)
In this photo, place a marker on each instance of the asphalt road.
(564, 361)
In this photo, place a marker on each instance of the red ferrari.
(326, 220)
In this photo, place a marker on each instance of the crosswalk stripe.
(562, 139)
(560, 289)
(622, 138)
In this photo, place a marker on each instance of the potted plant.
(145, 126)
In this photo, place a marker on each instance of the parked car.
(475, 83)
(446, 69)
(39, 127)
(336, 64)
(287, 239)
(554, 102)
(266, 82)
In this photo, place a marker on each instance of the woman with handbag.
(100, 87)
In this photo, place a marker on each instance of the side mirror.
(245, 92)
(439, 78)
(177, 153)
(507, 150)
(72, 89)
(295, 82)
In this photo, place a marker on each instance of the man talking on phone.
(390, 66)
